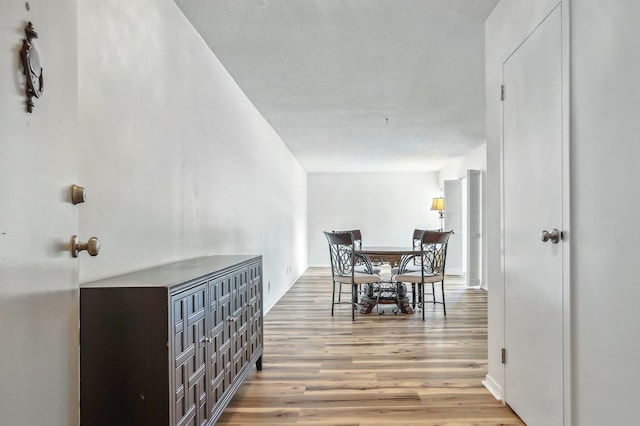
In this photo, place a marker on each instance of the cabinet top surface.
(173, 273)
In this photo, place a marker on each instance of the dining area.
(402, 276)
(341, 348)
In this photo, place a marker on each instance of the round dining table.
(394, 257)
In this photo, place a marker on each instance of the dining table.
(390, 255)
(394, 256)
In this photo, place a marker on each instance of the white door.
(474, 227)
(453, 221)
(532, 173)
(38, 276)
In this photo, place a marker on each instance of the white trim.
(473, 211)
(493, 387)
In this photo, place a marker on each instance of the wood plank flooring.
(381, 370)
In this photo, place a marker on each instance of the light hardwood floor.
(380, 370)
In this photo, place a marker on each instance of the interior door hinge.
(502, 92)
(503, 355)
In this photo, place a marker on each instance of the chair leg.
(333, 298)
(354, 300)
(421, 289)
(433, 293)
(413, 295)
(340, 292)
(443, 305)
(398, 287)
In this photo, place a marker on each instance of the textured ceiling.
(357, 85)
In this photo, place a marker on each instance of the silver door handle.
(554, 236)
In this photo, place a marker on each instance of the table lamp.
(438, 205)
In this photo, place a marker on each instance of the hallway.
(379, 370)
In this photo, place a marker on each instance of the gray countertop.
(173, 273)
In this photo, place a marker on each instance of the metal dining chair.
(432, 261)
(414, 265)
(416, 242)
(343, 267)
(360, 267)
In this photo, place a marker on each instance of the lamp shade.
(437, 204)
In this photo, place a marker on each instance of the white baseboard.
(474, 282)
(493, 387)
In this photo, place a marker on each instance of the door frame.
(457, 254)
(564, 6)
(474, 213)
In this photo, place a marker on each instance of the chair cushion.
(416, 277)
(358, 278)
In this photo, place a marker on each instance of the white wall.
(176, 160)
(606, 243)
(508, 25)
(386, 207)
(475, 160)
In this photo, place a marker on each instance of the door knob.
(92, 246)
(554, 236)
(78, 194)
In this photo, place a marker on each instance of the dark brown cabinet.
(169, 345)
